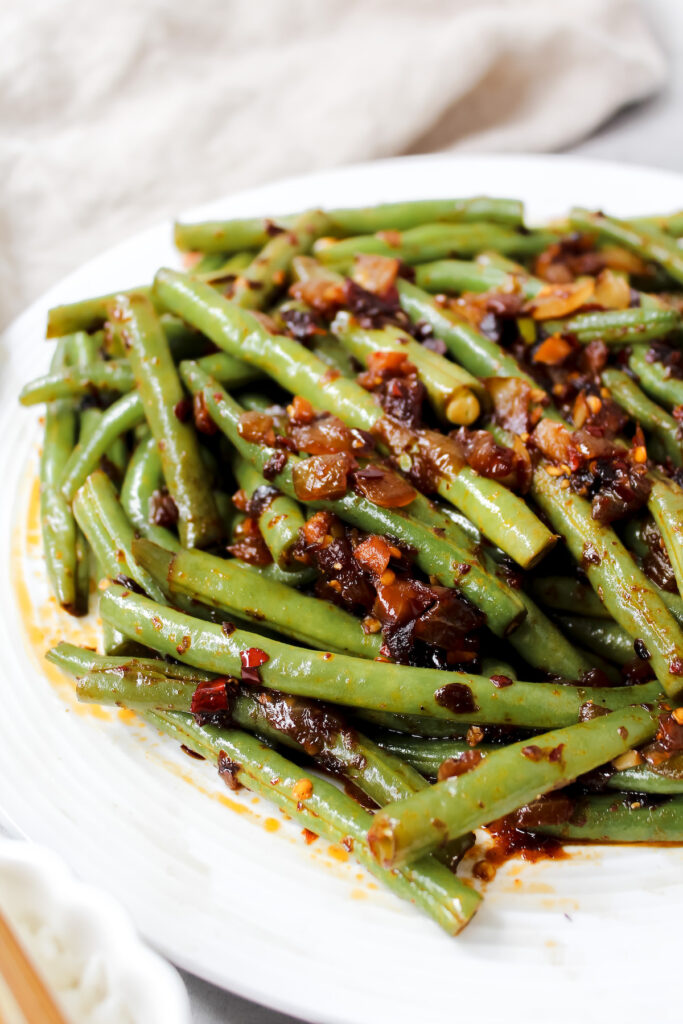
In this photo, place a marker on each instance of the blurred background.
(114, 116)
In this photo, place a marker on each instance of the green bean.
(307, 726)
(218, 267)
(617, 326)
(117, 375)
(604, 637)
(280, 518)
(459, 276)
(290, 579)
(611, 819)
(666, 506)
(412, 725)
(481, 356)
(642, 779)
(350, 681)
(240, 334)
(332, 813)
(501, 515)
(225, 584)
(253, 233)
(503, 781)
(127, 412)
(648, 243)
(629, 596)
(672, 223)
(161, 392)
(56, 519)
(651, 416)
(110, 534)
(86, 315)
(454, 393)
(275, 717)
(74, 382)
(436, 556)
(536, 638)
(429, 242)
(144, 476)
(565, 594)
(231, 372)
(472, 349)
(654, 378)
(326, 812)
(544, 646)
(568, 595)
(84, 349)
(427, 755)
(268, 271)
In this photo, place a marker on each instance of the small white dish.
(83, 945)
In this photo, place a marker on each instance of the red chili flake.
(676, 666)
(252, 659)
(347, 843)
(501, 681)
(210, 696)
(228, 769)
(532, 753)
(182, 410)
(192, 753)
(641, 650)
(556, 753)
(309, 836)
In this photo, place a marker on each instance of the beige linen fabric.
(115, 114)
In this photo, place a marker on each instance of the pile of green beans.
(171, 473)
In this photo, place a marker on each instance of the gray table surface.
(649, 133)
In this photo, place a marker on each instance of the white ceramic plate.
(95, 961)
(233, 893)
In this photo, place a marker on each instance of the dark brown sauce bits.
(458, 765)
(589, 711)
(457, 697)
(192, 753)
(228, 771)
(500, 681)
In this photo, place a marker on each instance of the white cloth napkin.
(113, 115)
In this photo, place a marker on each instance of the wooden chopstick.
(25, 985)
